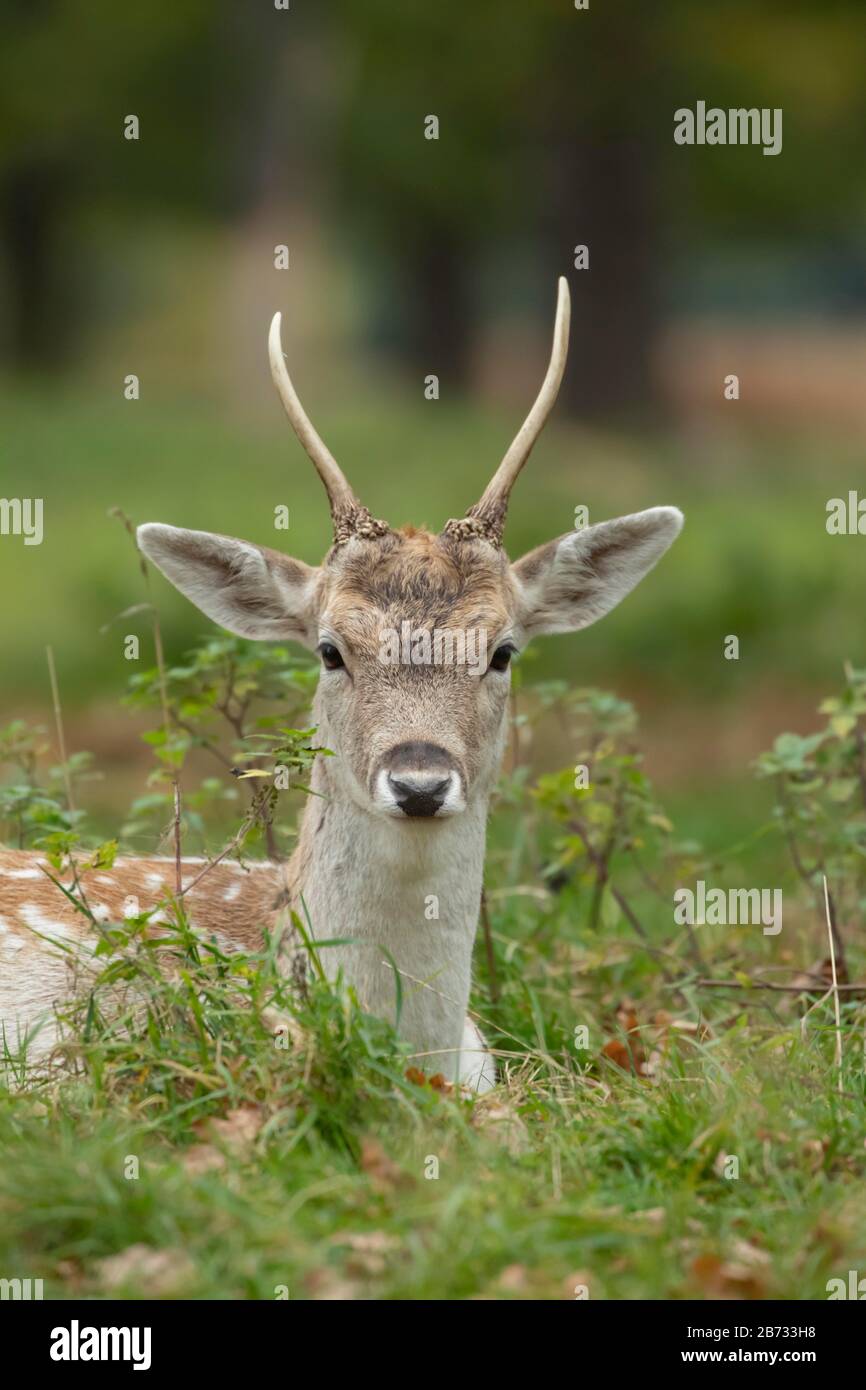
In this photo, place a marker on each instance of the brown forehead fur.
(412, 575)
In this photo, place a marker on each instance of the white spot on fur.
(22, 873)
(130, 907)
(154, 880)
(106, 878)
(233, 891)
(170, 859)
(47, 926)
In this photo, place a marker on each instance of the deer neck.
(407, 894)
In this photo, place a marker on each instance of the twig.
(178, 870)
(830, 933)
(860, 741)
(625, 908)
(237, 839)
(766, 984)
(58, 720)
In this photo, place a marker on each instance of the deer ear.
(571, 582)
(249, 589)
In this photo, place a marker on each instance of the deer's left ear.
(571, 582)
(249, 589)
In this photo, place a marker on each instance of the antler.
(349, 516)
(486, 520)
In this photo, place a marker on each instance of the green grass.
(220, 1137)
(574, 1172)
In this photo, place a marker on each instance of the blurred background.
(409, 257)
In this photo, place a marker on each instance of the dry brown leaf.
(236, 1130)
(381, 1170)
(574, 1284)
(379, 1242)
(513, 1278)
(328, 1285)
(369, 1251)
(627, 1052)
(653, 1218)
(725, 1279)
(437, 1082)
(71, 1271)
(749, 1254)
(498, 1119)
(202, 1158)
(149, 1273)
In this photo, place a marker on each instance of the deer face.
(415, 632)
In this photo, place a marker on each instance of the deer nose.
(419, 793)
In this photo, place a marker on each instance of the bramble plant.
(236, 701)
(643, 1120)
(820, 782)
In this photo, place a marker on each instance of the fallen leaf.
(573, 1285)
(437, 1082)
(369, 1251)
(381, 1170)
(748, 1253)
(498, 1119)
(513, 1278)
(653, 1218)
(71, 1271)
(627, 1052)
(202, 1158)
(328, 1285)
(236, 1130)
(149, 1273)
(723, 1279)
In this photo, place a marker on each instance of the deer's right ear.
(573, 581)
(249, 589)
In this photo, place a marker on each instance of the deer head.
(415, 631)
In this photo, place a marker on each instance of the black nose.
(419, 793)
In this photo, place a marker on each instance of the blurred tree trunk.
(606, 106)
(604, 200)
(438, 314)
(33, 199)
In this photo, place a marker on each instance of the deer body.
(390, 855)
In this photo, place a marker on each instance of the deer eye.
(501, 658)
(331, 659)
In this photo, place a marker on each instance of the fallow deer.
(399, 819)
